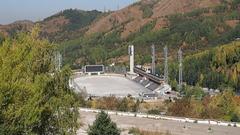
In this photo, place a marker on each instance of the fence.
(143, 115)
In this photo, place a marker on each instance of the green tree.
(34, 98)
(103, 126)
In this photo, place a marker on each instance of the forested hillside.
(92, 37)
(217, 68)
(68, 24)
(193, 31)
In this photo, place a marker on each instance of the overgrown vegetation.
(224, 106)
(136, 131)
(127, 104)
(34, 97)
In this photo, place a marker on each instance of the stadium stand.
(153, 86)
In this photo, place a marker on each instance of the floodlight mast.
(58, 61)
(153, 60)
(180, 79)
(166, 64)
(131, 57)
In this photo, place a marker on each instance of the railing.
(157, 117)
(147, 75)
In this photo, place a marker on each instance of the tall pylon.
(180, 77)
(58, 61)
(131, 58)
(153, 60)
(166, 64)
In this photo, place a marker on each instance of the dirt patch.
(161, 23)
(232, 23)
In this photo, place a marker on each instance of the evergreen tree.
(103, 126)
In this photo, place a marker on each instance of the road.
(174, 127)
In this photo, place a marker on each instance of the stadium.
(100, 81)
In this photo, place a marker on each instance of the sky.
(36, 10)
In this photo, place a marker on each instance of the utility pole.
(153, 60)
(180, 79)
(166, 65)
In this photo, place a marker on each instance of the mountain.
(64, 25)
(203, 29)
(91, 37)
(132, 18)
(193, 25)
(68, 24)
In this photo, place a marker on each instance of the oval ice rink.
(103, 85)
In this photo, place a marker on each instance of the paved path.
(174, 127)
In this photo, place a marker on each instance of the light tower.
(58, 61)
(131, 57)
(153, 60)
(166, 64)
(180, 79)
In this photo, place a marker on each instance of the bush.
(154, 111)
(147, 12)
